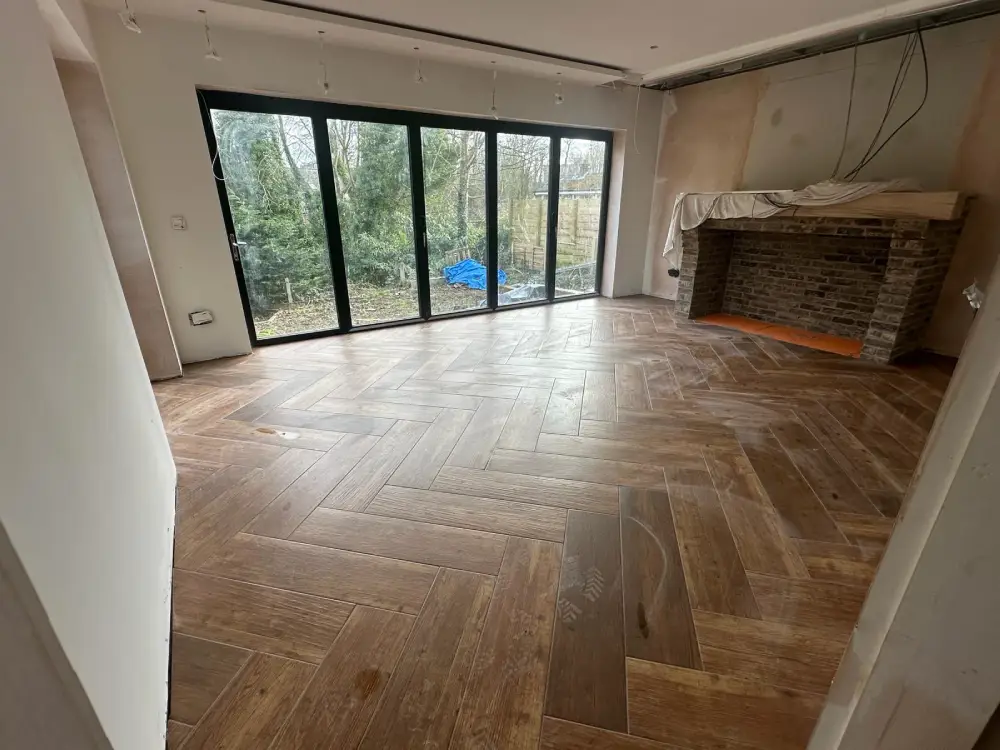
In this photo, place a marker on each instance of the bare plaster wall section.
(799, 126)
(703, 146)
(109, 179)
(783, 127)
(151, 80)
(978, 173)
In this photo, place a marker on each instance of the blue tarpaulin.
(470, 273)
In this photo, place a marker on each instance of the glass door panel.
(371, 166)
(522, 216)
(271, 181)
(581, 185)
(455, 215)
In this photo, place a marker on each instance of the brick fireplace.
(875, 280)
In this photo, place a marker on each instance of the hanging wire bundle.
(909, 50)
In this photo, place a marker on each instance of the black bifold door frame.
(320, 112)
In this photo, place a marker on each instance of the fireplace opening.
(868, 284)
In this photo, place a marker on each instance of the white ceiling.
(653, 38)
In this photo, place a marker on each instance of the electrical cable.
(216, 157)
(850, 106)
(923, 101)
(897, 85)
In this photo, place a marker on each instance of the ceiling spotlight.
(128, 19)
(210, 53)
(418, 77)
(323, 80)
(559, 95)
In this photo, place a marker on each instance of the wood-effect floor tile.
(717, 580)
(176, 734)
(317, 440)
(424, 694)
(464, 511)
(476, 443)
(190, 500)
(273, 621)
(599, 396)
(283, 514)
(335, 574)
(845, 448)
(202, 533)
(630, 387)
(525, 488)
(574, 468)
(252, 709)
(317, 420)
(832, 485)
(370, 530)
(817, 604)
(802, 514)
(520, 431)
(587, 669)
(368, 476)
(756, 528)
(698, 710)
(504, 699)
(567, 735)
(224, 451)
(562, 415)
(338, 704)
(658, 624)
(839, 563)
(773, 653)
(483, 390)
(199, 672)
(369, 408)
(428, 543)
(425, 460)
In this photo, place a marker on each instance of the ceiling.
(590, 41)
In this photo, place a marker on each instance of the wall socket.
(200, 317)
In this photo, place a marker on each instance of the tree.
(276, 211)
(271, 174)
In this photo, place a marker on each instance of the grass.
(369, 304)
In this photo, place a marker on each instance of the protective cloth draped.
(693, 209)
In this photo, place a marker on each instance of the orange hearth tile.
(822, 341)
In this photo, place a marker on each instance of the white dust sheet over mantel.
(693, 209)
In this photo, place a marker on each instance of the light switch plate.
(178, 222)
(200, 317)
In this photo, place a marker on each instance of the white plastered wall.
(151, 79)
(95, 131)
(86, 477)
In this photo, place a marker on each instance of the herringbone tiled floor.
(562, 527)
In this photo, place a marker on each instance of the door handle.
(234, 248)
